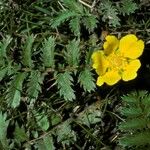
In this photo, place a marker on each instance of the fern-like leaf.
(110, 13)
(42, 120)
(73, 5)
(136, 110)
(86, 80)
(48, 52)
(27, 52)
(65, 133)
(62, 17)
(34, 84)
(3, 72)
(90, 22)
(48, 142)
(20, 134)
(132, 112)
(14, 91)
(64, 82)
(131, 124)
(128, 7)
(75, 25)
(3, 46)
(137, 139)
(130, 98)
(72, 53)
(3, 130)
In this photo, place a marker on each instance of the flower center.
(116, 61)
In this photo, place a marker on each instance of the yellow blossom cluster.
(118, 59)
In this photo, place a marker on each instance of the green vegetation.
(48, 94)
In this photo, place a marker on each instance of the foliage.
(77, 15)
(135, 129)
(3, 130)
(48, 95)
(64, 81)
(111, 11)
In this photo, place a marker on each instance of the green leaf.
(90, 22)
(62, 17)
(73, 5)
(42, 120)
(46, 143)
(130, 98)
(48, 52)
(86, 80)
(65, 134)
(3, 72)
(131, 112)
(34, 84)
(20, 134)
(75, 25)
(135, 109)
(14, 90)
(72, 53)
(64, 83)
(137, 139)
(3, 46)
(55, 119)
(27, 52)
(91, 116)
(109, 12)
(133, 124)
(128, 7)
(3, 130)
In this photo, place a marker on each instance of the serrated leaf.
(75, 25)
(72, 53)
(137, 139)
(55, 119)
(34, 84)
(65, 134)
(20, 134)
(3, 72)
(90, 22)
(89, 117)
(3, 130)
(130, 99)
(64, 83)
(3, 46)
(136, 126)
(73, 6)
(14, 91)
(42, 121)
(128, 7)
(27, 52)
(133, 124)
(110, 13)
(131, 112)
(86, 80)
(46, 143)
(62, 17)
(48, 52)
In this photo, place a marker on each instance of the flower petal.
(111, 44)
(100, 63)
(111, 77)
(100, 81)
(130, 70)
(131, 47)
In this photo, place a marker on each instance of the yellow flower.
(119, 59)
